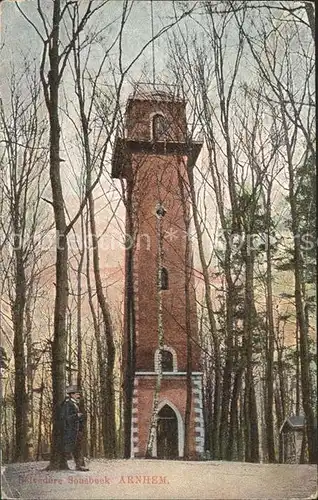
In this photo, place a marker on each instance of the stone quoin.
(153, 156)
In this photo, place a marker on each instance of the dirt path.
(156, 479)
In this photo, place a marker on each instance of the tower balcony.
(148, 91)
(155, 124)
(125, 146)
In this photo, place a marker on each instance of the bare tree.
(296, 118)
(57, 59)
(23, 136)
(241, 152)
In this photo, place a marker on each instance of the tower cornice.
(124, 147)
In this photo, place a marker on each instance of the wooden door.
(167, 433)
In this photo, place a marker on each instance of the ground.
(158, 479)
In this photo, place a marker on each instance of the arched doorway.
(167, 433)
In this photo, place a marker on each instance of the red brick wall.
(171, 389)
(156, 178)
(138, 118)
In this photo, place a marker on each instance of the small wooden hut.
(293, 436)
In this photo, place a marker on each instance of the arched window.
(164, 279)
(159, 127)
(167, 361)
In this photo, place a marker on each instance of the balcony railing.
(151, 91)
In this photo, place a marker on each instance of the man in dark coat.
(72, 424)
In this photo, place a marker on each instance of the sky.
(19, 38)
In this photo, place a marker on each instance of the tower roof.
(144, 91)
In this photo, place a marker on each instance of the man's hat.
(71, 389)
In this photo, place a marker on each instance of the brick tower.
(153, 157)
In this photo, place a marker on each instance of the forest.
(247, 72)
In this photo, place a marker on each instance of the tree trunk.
(92, 403)
(269, 418)
(208, 409)
(212, 322)
(230, 300)
(306, 383)
(154, 415)
(280, 419)
(250, 418)
(233, 427)
(69, 359)
(228, 368)
(39, 443)
(20, 395)
(58, 460)
(29, 371)
(310, 10)
(83, 408)
(254, 426)
(187, 277)
(79, 310)
(297, 372)
(129, 329)
(100, 349)
(108, 395)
